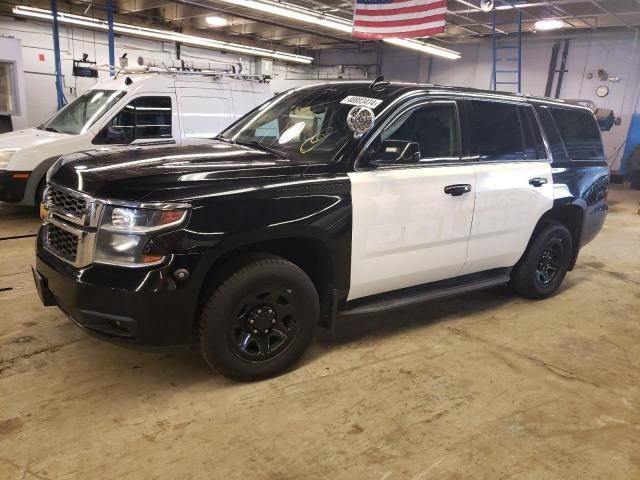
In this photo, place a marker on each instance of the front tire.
(545, 263)
(259, 321)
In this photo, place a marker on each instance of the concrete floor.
(484, 386)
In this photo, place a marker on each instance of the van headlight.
(124, 234)
(6, 154)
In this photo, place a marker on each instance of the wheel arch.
(311, 252)
(571, 215)
(37, 176)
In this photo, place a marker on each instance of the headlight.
(124, 234)
(6, 154)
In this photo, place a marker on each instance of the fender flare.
(35, 178)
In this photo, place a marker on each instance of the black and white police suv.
(326, 201)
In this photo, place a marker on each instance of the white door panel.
(204, 117)
(506, 212)
(406, 230)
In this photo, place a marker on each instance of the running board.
(426, 293)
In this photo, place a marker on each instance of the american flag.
(376, 19)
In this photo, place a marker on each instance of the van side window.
(556, 146)
(431, 128)
(533, 143)
(580, 132)
(142, 118)
(496, 130)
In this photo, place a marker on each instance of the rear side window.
(497, 133)
(556, 146)
(580, 133)
(533, 143)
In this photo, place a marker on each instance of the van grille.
(62, 243)
(66, 203)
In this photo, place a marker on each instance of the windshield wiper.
(48, 129)
(258, 145)
(255, 144)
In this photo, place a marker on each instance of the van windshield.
(307, 124)
(84, 111)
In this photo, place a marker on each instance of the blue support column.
(112, 52)
(494, 44)
(62, 101)
(519, 51)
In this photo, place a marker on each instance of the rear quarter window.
(579, 132)
(554, 140)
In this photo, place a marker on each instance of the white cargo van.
(131, 108)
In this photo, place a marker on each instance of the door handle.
(457, 190)
(537, 181)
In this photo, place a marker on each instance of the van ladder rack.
(177, 72)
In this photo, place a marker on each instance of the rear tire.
(259, 321)
(545, 263)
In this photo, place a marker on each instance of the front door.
(413, 201)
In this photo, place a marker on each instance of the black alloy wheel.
(265, 323)
(550, 262)
(545, 263)
(258, 321)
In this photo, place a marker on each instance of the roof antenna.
(379, 83)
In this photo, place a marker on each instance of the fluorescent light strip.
(294, 12)
(159, 34)
(305, 15)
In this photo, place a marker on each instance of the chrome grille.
(61, 243)
(66, 203)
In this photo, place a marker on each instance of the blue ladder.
(505, 55)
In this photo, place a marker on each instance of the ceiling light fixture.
(161, 35)
(305, 15)
(216, 21)
(549, 24)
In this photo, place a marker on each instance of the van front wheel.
(259, 321)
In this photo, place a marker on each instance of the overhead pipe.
(552, 69)
(563, 67)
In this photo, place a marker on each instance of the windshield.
(83, 112)
(307, 124)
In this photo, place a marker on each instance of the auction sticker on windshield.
(361, 101)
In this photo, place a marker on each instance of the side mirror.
(394, 152)
(114, 135)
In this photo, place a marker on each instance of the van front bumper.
(139, 307)
(13, 185)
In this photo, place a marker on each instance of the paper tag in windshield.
(361, 101)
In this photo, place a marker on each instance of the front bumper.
(13, 185)
(142, 307)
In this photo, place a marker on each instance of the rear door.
(411, 217)
(514, 186)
